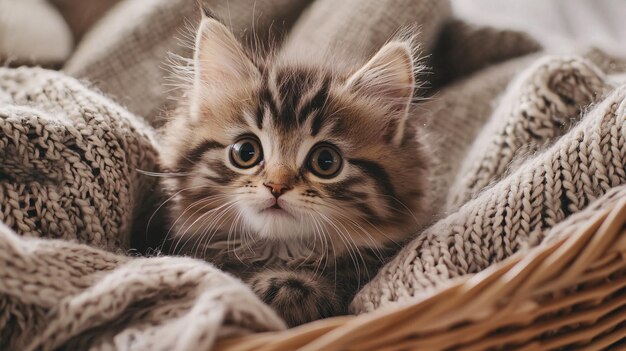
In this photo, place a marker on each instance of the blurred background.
(46, 31)
(558, 24)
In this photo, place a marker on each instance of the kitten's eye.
(246, 152)
(325, 161)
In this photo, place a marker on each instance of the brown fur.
(309, 258)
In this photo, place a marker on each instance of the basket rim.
(547, 267)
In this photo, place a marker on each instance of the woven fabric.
(539, 158)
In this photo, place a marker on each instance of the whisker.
(161, 174)
(338, 210)
(159, 208)
(207, 213)
(215, 222)
(345, 243)
(375, 245)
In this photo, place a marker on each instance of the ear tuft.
(388, 78)
(219, 55)
(221, 64)
(206, 10)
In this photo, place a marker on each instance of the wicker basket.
(568, 293)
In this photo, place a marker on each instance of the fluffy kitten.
(297, 178)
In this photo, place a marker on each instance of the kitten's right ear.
(220, 61)
(388, 77)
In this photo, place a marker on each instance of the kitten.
(297, 178)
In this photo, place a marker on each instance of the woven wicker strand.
(568, 292)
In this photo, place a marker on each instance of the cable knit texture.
(69, 159)
(68, 163)
(519, 140)
(543, 155)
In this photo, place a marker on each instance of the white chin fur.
(278, 225)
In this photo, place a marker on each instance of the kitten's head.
(279, 151)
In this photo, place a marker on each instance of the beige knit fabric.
(129, 53)
(546, 168)
(540, 106)
(456, 52)
(506, 168)
(55, 294)
(69, 160)
(68, 170)
(350, 31)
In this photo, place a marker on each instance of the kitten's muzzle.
(277, 189)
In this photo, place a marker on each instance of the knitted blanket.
(68, 163)
(555, 142)
(520, 141)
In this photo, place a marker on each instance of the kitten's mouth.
(276, 210)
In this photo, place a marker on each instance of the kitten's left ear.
(388, 78)
(221, 63)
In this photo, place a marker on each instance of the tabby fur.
(308, 257)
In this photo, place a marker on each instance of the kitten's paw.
(298, 297)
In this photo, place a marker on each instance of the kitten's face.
(295, 153)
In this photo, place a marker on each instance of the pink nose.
(277, 189)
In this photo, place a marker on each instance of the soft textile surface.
(128, 53)
(68, 163)
(69, 159)
(537, 160)
(60, 294)
(519, 140)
